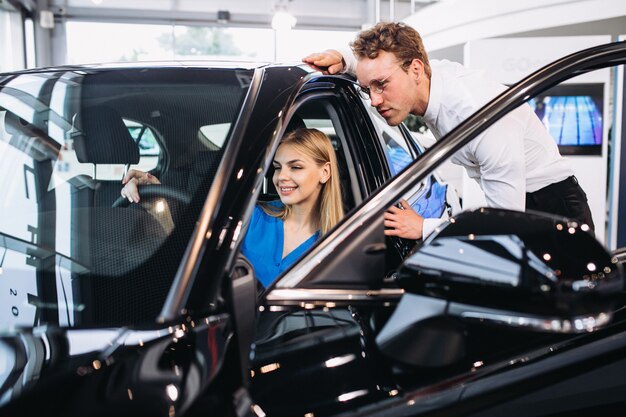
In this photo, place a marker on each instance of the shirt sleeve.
(350, 61)
(430, 225)
(501, 161)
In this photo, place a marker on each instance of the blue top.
(263, 245)
(430, 204)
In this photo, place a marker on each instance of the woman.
(306, 178)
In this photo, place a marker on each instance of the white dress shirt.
(514, 156)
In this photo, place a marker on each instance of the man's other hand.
(403, 222)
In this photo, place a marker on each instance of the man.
(516, 162)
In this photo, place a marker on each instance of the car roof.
(209, 64)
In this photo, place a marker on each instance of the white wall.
(455, 22)
(509, 60)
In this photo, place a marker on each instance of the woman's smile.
(286, 190)
(297, 177)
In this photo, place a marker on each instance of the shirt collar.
(434, 102)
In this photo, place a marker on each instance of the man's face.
(399, 88)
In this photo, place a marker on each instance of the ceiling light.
(283, 20)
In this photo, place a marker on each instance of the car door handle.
(375, 248)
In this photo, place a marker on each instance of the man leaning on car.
(516, 161)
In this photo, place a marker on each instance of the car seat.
(112, 243)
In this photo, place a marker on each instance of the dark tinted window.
(68, 254)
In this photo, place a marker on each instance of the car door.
(284, 337)
(412, 359)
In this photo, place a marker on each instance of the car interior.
(145, 248)
(81, 146)
(318, 114)
(291, 332)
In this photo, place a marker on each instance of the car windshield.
(72, 251)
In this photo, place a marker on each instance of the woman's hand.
(132, 180)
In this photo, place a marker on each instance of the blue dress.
(263, 245)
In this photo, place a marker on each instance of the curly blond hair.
(397, 38)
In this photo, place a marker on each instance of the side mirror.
(526, 270)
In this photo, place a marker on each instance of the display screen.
(572, 113)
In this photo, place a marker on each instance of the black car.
(151, 309)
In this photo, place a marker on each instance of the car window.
(145, 137)
(322, 114)
(397, 150)
(77, 254)
(325, 113)
(214, 135)
(429, 198)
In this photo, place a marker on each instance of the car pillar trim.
(578, 324)
(323, 296)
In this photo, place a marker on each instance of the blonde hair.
(317, 146)
(397, 38)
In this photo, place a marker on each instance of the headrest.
(105, 138)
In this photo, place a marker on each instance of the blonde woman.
(306, 178)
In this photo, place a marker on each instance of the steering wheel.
(155, 191)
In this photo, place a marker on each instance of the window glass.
(29, 36)
(290, 45)
(21, 95)
(322, 114)
(123, 42)
(428, 198)
(70, 252)
(116, 42)
(17, 182)
(398, 156)
(397, 150)
(214, 135)
(149, 149)
(11, 41)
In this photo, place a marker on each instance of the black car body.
(119, 310)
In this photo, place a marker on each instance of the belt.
(557, 186)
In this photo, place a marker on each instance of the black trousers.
(565, 198)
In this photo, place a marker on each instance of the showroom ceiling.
(322, 14)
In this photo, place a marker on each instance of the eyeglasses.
(377, 86)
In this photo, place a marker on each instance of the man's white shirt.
(514, 156)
